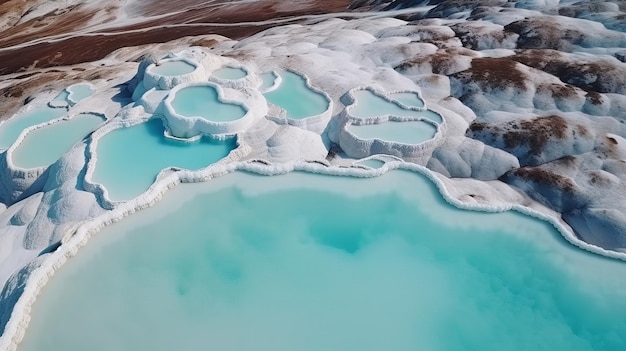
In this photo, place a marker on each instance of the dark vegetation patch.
(13, 96)
(88, 48)
(562, 91)
(600, 75)
(445, 8)
(82, 49)
(27, 75)
(535, 133)
(440, 62)
(599, 178)
(594, 97)
(544, 33)
(494, 73)
(583, 131)
(204, 42)
(566, 161)
(544, 177)
(582, 8)
(477, 36)
(444, 62)
(57, 22)
(532, 141)
(23, 87)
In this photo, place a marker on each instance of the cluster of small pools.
(48, 132)
(45, 134)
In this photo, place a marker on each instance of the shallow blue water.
(296, 98)
(412, 132)
(408, 99)
(173, 68)
(372, 163)
(203, 101)
(307, 262)
(79, 92)
(230, 73)
(44, 146)
(129, 159)
(370, 105)
(267, 81)
(62, 96)
(11, 129)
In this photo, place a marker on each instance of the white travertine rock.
(152, 79)
(152, 99)
(290, 144)
(603, 227)
(461, 157)
(27, 212)
(436, 86)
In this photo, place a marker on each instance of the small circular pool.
(173, 68)
(203, 101)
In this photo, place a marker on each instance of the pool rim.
(194, 125)
(16, 327)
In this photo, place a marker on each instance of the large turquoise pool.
(129, 159)
(308, 262)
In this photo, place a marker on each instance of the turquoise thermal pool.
(129, 159)
(411, 132)
(296, 98)
(241, 262)
(230, 73)
(203, 101)
(12, 128)
(408, 99)
(79, 92)
(267, 81)
(44, 146)
(372, 163)
(173, 68)
(62, 96)
(369, 104)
